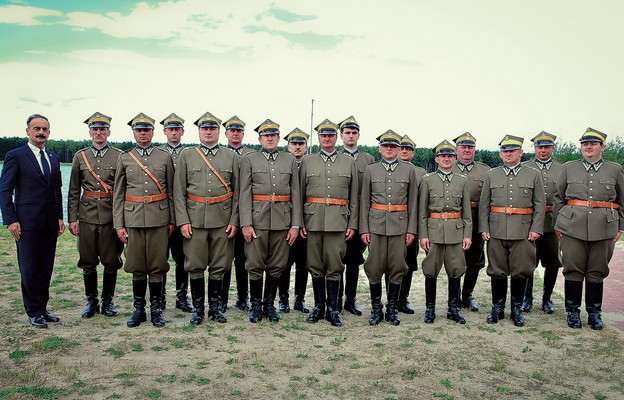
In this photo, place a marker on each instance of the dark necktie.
(45, 165)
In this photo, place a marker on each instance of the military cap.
(465, 139)
(444, 147)
(268, 127)
(511, 142)
(207, 120)
(544, 139)
(234, 123)
(349, 122)
(142, 121)
(297, 136)
(592, 135)
(327, 128)
(389, 137)
(172, 121)
(407, 142)
(98, 120)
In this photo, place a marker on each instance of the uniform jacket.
(576, 183)
(131, 180)
(362, 160)
(549, 181)
(174, 153)
(475, 177)
(241, 151)
(521, 191)
(444, 196)
(267, 177)
(91, 209)
(195, 177)
(389, 187)
(37, 203)
(329, 180)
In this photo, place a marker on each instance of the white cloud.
(25, 15)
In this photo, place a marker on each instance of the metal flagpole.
(311, 126)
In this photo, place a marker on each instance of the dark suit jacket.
(37, 204)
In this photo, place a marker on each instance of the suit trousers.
(587, 260)
(176, 248)
(515, 258)
(354, 253)
(267, 252)
(208, 248)
(325, 253)
(451, 255)
(386, 255)
(146, 253)
(35, 256)
(98, 243)
(411, 257)
(475, 256)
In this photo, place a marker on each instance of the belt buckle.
(508, 210)
(145, 198)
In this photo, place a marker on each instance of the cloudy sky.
(429, 69)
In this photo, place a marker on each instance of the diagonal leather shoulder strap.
(106, 186)
(147, 171)
(214, 171)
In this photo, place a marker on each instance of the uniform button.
(272, 169)
(328, 187)
(590, 212)
(511, 198)
(209, 181)
(389, 195)
(591, 181)
(389, 173)
(273, 176)
(274, 184)
(591, 188)
(389, 188)
(209, 190)
(145, 190)
(146, 183)
(328, 179)
(447, 198)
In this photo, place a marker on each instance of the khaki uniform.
(271, 220)
(324, 177)
(209, 244)
(146, 222)
(388, 184)
(89, 205)
(411, 256)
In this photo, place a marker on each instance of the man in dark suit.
(34, 216)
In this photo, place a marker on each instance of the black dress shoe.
(38, 322)
(50, 317)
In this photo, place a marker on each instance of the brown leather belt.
(550, 208)
(327, 200)
(270, 197)
(511, 210)
(97, 195)
(146, 199)
(389, 207)
(444, 215)
(593, 204)
(210, 200)
(474, 204)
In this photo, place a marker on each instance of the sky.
(428, 69)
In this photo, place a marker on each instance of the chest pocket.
(259, 176)
(498, 190)
(194, 174)
(343, 180)
(456, 197)
(313, 178)
(525, 190)
(160, 172)
(226, 174)
(400, 185)
(285, 175)
(607, 186)
(378, 185)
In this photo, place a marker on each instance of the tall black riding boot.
(268, 303)
(91, 291)
(156, 311)
(198, 295)
(430, 299)
(593, 304)
(518, 288)
(318, 312)
(573, 293)
(255, 291)
(527, 301)
(214, 301)
(377, 314)
(404, 305)
(340, 292)
(453, 301)
(301, 283)
(499, 295)
(284, 285)
(109, 282)
(332, 314)
(550, 278)
(392, 314)
(163, 295)
(225, 290)
(350, 288)
(182, 301)
(139, 289)
(242, 289)
(470, 280)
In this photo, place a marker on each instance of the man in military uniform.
(475, 172)
(90, 215)
(143, 217)
(388, 224)
(173, 128)
(235, 131)
(353, 258)
(547, 246)
(406, 153)
(445, 229)
(589, 220)
(270, 217)
(330, 194)
(206, 208)
(511, 218)
(297, 146)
